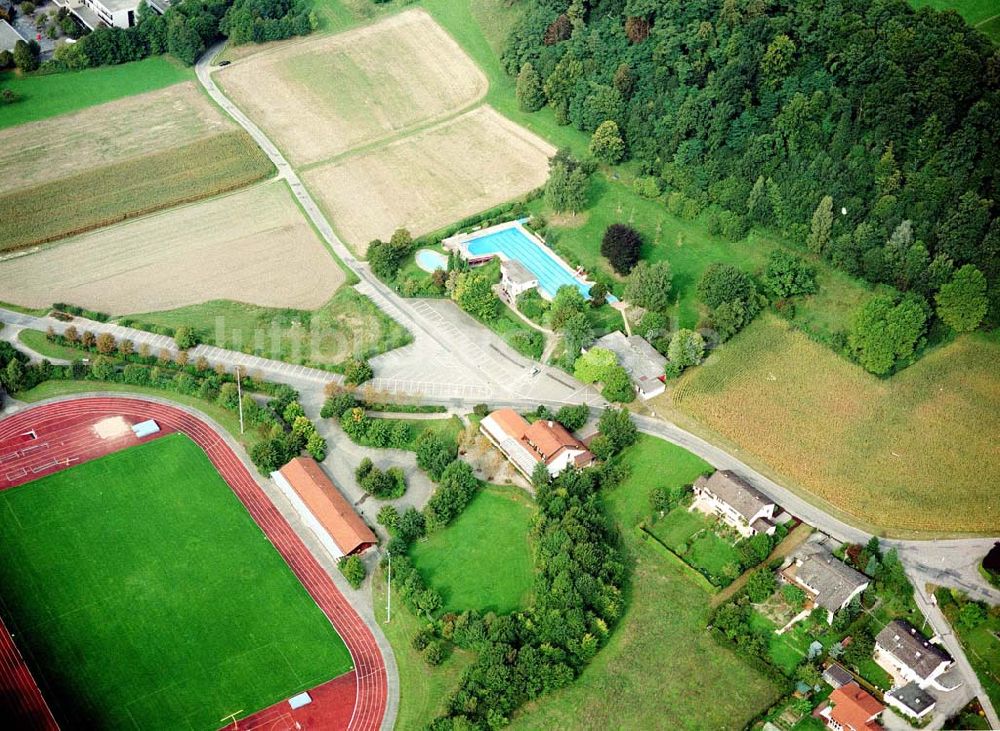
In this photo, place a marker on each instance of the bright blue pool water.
(429, 260)
(513, 243)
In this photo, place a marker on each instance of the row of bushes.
(81, 312)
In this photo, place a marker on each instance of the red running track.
(48, 438)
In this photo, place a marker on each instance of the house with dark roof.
(911, 700)
(525, 445)
(828, 581)
(322, 507)
(836, 675)
(903, 651)
(852, 709)
(643, 363)
(735, 501)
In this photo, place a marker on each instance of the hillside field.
(915, 452)
(144, 595)
(330, 94)
(250, 245)
(430, 179)
(119, 160)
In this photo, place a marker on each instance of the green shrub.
(647, 187)
(353, 570)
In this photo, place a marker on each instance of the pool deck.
(459, 243)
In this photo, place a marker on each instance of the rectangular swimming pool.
(514, 243)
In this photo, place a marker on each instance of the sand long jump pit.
(319, 98)
(251, 246)
(426, 181)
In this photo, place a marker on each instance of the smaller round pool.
(429, 260)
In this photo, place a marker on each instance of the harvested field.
(437, 176)
(323, 97)
(137, 126)
(915, 452)
(254, 245)
(112, 193)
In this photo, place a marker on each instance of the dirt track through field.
(322, 97)
(106, 134)
(252, 246)
(431, 179)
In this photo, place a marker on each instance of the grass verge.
(36, 340)
(348, 325)
(132, 624)
(223, 417)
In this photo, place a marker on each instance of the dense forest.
(861, 129)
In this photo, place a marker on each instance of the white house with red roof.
(525, 445)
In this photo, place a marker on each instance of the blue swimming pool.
(430, 260)
(515, 244)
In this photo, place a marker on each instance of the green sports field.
(144, 596)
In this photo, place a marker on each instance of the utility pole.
(388, 595)
(239, 393)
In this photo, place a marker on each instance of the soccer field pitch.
(143, 595)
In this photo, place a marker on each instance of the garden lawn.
(651, 463)
(482, 560)
(786, 650)
(349, 324)
(143, 595)
(691, 535)
(46, 95)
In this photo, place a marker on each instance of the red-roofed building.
(322, 507)
(525, 445)
(852, 709)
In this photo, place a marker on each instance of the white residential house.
(643, 363)
(525, 445)
(515, 279)
(903, 651)
(734, 500)
(828, 581)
